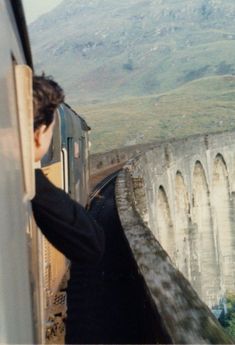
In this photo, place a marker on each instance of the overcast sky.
(34, 8)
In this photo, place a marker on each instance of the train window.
(76, 150)
(23, 78)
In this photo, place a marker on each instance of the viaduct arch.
(187, 201)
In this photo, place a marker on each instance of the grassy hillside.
(201, 106)
(142, 70)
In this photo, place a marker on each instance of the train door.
(70, 151)
(63, 149)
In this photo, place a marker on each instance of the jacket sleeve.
(65, 223)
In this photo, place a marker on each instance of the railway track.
(98, 188)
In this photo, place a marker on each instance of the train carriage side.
(76, 142)
(16, 186)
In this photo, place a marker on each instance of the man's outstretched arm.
(66, 224)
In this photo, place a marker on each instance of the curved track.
(98, 188)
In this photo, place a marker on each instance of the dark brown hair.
(47, 96)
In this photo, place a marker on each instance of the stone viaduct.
(176, 202)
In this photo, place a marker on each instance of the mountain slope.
(107, 50)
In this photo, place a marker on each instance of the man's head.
(47, 96)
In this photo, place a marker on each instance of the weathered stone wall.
(100, 161)
(180, 196)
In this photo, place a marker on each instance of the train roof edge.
(85, 126)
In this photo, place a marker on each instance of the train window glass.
(76, 150)
(23, 79)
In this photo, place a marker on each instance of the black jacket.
(65, 223)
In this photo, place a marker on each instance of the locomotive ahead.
(32, 272)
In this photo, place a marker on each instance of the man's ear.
(38, 135)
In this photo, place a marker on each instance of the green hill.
(202, 106)
(142, 70)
